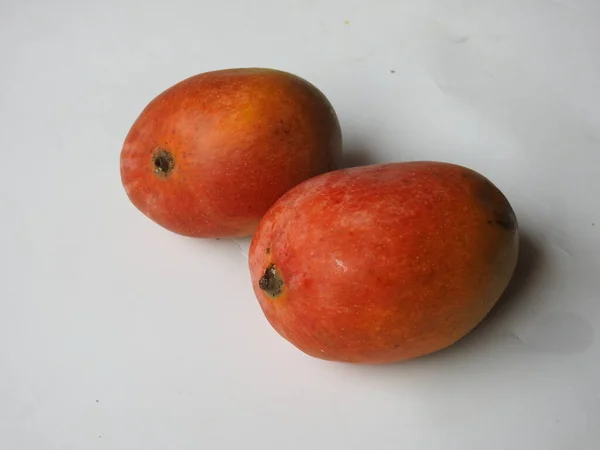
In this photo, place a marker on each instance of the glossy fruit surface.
(383, 263)
(210, 155)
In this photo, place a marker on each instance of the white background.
(115, 334)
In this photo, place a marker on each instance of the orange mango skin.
(239, 139)
(387, 262)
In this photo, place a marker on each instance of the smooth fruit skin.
(210, 155)
(383, 263)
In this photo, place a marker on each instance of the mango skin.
(232, 142)
(384, 263)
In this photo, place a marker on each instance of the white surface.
(115, 334)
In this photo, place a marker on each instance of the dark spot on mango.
(507, 220)
(271, 282)
(163, 162)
